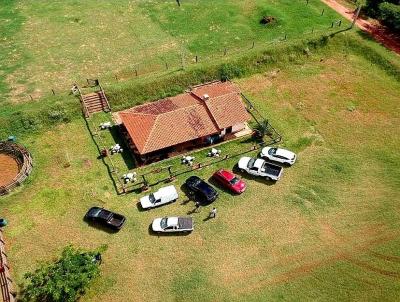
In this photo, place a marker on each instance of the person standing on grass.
(197, 205)
(213, 213)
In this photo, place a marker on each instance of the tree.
(64, 280)
(390, 15)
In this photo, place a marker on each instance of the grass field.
(51, 44)
(328, 231)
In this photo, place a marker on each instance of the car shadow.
(100, 227)
(188, 196)
(156, 234)
(139, 207)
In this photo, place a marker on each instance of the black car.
(105, 217)
(205, 193)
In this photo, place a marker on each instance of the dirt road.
(379, 32)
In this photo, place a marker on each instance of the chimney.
(206, 97)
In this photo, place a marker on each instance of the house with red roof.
(203, 115)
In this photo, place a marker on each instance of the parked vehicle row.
(261, 167)
(202, 191)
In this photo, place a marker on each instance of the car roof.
(166, 190)
(285, 153)
(172, 221)
(259, 163)
(226, 174)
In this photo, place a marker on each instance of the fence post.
(340, 23)
(136, 73)
(323, 11)
(332, 24)
(145, 184)
(197, 59)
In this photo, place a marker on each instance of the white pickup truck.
(173, 225)
(162, 196)
(260, 167)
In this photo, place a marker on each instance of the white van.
(162, 196)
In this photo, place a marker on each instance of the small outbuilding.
(203, 115)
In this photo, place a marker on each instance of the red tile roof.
(185, 117)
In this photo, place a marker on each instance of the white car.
(162, 196)
(279, 155)
(260, 167)
(173, 224)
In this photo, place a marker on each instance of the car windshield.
(234, 181)
(251, 163)
(152, 199)
(272, 151)
(164, 223)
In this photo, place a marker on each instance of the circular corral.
(15, 166)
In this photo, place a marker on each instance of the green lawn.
(52, 44)
(328, 230)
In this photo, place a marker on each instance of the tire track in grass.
(345, 251)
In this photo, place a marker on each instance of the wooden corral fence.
(7, 287)
(24, 161)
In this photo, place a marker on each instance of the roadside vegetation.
(328, 230)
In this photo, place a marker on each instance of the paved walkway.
(379, 32)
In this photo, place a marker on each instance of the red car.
(230, 181)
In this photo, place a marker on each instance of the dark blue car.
(204, 192)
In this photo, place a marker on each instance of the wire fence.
(184, 60)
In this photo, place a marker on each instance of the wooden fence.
(24, 161)
(7, 287)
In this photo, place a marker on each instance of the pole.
(356, 16)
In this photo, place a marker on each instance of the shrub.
(230, 71)
(65, 280)
(390, 15)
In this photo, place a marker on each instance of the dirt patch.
(8, 169)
